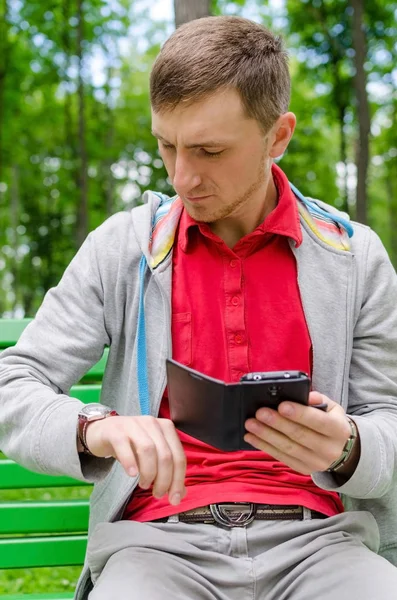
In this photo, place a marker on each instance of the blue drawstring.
(313, 207)
(141, 362)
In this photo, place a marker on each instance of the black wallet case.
(215, 412)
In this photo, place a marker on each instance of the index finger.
(317, 420)
(177, 488)
(317, 399)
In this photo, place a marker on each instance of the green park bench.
(47, 533)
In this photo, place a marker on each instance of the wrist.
(89, 414)
(344, 467)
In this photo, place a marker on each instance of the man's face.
(216, 157)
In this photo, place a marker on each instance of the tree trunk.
(391, 194)
(187, 10)
(109, 140)
(364, 120)
(82, 209)
(68, 123)
(14, 221)
(343, 157)
(4, 56)
(391, 187)
(319, 13)
(341, 106)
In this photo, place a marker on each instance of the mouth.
(197, 198)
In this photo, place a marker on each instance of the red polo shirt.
(234, 311)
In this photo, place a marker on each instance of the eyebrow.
(204, 144)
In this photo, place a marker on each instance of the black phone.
(215, 412)
(282, 385)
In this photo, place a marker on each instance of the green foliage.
(321, 36)
(311, 158)
(38, 581)
(57, 106)
(40, 176)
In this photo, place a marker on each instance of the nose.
(186, 176)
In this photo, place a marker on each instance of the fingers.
(317, 398)
(154, 457)
(327, 423)
(298, 456)
(168, 476)
(301, 436)
(292, 461)
(119, 432)
(148, 446)
(122, 452)
(177, 490)
(284, 433)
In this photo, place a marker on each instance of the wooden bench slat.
(67, 516)
(51, 551)
(13, 476)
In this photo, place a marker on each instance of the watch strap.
(82, 433)
(82, 425)
(347, 448)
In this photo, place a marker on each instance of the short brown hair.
(208, 54)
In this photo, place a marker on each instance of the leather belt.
(240, 514)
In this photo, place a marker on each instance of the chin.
(203, 215)
(206, 214)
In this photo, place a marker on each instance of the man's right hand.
(144, 445)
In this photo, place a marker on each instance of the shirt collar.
(283, 220)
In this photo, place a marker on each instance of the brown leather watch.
(88, 414)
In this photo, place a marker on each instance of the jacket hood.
(159, 217)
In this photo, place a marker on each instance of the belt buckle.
(219, 512)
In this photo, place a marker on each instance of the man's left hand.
(304, 438)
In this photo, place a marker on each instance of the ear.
(282, 132)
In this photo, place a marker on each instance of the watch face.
(93, 411)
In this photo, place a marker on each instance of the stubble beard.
(211, 214)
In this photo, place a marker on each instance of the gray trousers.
(319, 559)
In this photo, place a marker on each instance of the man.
(236, 273)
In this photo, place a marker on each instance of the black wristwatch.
(88, 414)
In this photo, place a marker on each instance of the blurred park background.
(75, 142)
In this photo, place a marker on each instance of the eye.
(212, 154)
(167, 146)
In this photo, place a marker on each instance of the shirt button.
(233, 263)
(235, 300)
(238, 339)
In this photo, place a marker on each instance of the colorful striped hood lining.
(332, 229)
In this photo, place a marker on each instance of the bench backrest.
(43, 532)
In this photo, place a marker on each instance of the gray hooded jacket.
(349, 300)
